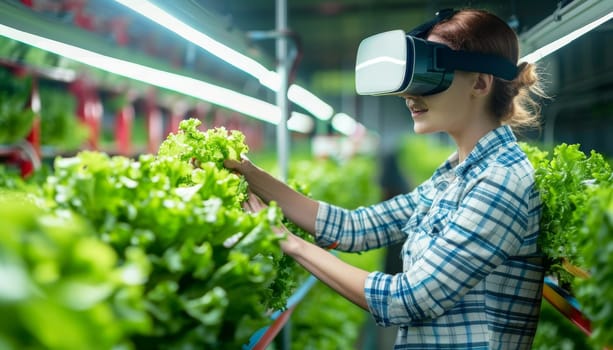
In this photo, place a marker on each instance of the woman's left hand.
(344, 278)
(255, 204)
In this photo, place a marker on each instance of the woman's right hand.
(295, 206)
(238, 166)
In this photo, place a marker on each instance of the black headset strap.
(423, 29)
(463, 60)
(475, 62)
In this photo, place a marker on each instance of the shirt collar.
(487, 146)
(440, 178)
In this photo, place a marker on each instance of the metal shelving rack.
(263, 337)
(566, 304)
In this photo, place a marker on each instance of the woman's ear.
(483, 84)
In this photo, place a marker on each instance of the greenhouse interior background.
(118, 77)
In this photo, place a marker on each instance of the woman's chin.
(420, 128)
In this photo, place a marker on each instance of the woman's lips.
(416, 108)
(416, 112)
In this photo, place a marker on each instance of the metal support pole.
(283, 104)
(282, 101)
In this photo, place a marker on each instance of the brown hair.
(481, 31)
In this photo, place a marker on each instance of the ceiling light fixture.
(266, 77)
(231, 56)
(310, 102)
(555, 45)
(300, 122)
(345, 124)
(185, 85)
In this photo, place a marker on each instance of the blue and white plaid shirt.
(472, 273)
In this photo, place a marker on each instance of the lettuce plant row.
(170, 257)
(577, 228)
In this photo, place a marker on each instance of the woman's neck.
(470, 136)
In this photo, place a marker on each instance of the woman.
(472, 274)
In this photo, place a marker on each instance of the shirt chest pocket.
(434, 222)
(441, 211)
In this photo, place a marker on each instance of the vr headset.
(394, 63)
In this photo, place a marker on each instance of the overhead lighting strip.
(231, 56)
(310, 102)
(266, 77)
(185, 85)
(565, 40)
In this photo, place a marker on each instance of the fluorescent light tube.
(267, 78)
(344, 124)
(565, 40)
(300, 122)
(310, 102)
(233, 57)
(185, 85)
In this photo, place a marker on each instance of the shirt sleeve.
(488, 226)
(364, 228)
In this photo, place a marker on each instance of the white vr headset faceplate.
(381, 63)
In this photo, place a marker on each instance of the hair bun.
(526, 75)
